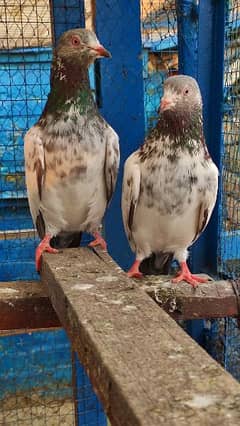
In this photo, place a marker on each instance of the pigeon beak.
(101, 51)
(164, 105)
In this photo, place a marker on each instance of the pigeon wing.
(130, 195)
(207, 204)
(35, 172)
(112, 159)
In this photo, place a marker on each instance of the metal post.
(210, 77)
(201, 46)
(187, 20)
(201, 55)
(122, 103)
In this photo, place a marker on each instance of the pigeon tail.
(66, 240)
(157, 264)
(62, 240)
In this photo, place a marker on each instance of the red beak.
(102, 52)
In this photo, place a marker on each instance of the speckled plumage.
(170, 182)
(71, 153)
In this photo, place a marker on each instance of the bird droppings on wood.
(201, 401)
(107, 278)
(81, 287)
(214, 299)
(8, 290)
(129, 308)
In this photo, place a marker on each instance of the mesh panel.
(25, 59)
(223, 336)
(229, 259)
(35, 389)
(36, 369)
(160, 58)
(39, 381)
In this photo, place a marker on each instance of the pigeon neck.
(181, 129)
(69, 85)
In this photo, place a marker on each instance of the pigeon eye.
(75, 41)
(186, 91)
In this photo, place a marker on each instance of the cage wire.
(160, 56)
(41, 383)
(223, 336)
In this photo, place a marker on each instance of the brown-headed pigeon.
(71, 153)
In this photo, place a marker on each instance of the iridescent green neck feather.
(70, 86)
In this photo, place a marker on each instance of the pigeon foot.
(99, 241)
(186, 275)
(43, 246)
(134, 270)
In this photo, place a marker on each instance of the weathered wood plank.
(25, 305)
(146, 370)
(215, 299)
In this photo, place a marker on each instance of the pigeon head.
(80, 46)
(181, 95)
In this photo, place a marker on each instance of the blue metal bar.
(210, 78)
(201, 46)
(122, 101)
(187, 20)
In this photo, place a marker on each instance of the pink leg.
(99, 241)
(134, 270)
(186, 275)
(43, 246)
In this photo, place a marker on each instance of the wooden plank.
(25, 305)
(215, 299)
(144, 367)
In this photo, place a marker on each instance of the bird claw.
(99, 241)
(44, 246)
(134, 270)
(187, 276)
(191, 279)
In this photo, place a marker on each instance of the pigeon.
(170, 183)
(71, 153)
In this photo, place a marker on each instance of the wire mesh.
(35, 389)
(229, 258)
(39, 381)
(223, 336)
(25, 56)
(160, 56)
(36, 369)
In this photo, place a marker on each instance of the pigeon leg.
(134, 270)
(99, 241)
(186, 275)
(43, 246)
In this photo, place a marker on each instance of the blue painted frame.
(210, 77)
(201, 55)
(118, 27)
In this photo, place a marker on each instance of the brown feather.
(202, 221)
(39, 172)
